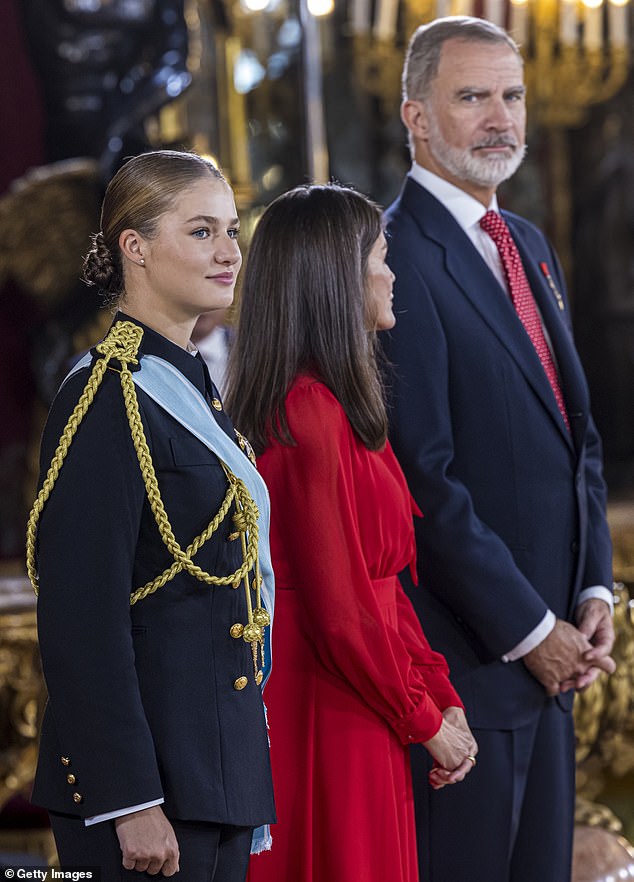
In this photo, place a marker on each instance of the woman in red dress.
(354, 680)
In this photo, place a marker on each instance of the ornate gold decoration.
(245, 445)
(604, 713)
(621, 518)
(45, 223)
(604, 721)
(576, 52)
(22, 691)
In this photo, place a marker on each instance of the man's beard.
(483, 171)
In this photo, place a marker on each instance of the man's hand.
(564, 658)
(594, 620)
(148, 842)
(559, 658)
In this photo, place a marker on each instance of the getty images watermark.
(45, 874)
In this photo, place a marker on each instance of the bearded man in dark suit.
(491, 423)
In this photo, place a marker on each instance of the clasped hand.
(572, 657)
(453, 748)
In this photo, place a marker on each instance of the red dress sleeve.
(317, 550)
(432, 664)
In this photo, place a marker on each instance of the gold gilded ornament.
(252, 633)
(261, 617)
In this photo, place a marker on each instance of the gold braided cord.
(182, 559)
(237, 493)
(190, 551)
(122, 343)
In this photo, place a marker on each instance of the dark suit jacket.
(513, 502)
(141, 699)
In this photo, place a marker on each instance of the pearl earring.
(142, 262)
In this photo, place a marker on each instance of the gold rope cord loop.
(177, 566)
(121, 342)
(237, 492)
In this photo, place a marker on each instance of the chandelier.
(576, 52)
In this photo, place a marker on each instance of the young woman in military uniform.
(148, 543)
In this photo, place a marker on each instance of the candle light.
(254, 5)
(319, 8)
(593, 24)
(519, 20)
(568, 22)
(617, 23)
(463, 7)
(360, 18)
(494, 11)
(385, 21)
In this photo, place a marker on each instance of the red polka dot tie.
(522, 297)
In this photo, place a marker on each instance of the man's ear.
(131, 245)
(414, 116)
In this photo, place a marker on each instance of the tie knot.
(494, 224)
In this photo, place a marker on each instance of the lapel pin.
(560, 300)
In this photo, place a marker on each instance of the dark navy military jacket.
(146, 701)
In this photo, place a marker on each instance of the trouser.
(512, 818)
(208, 852)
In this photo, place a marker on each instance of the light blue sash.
(173, 392)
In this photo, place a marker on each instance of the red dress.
(354, 680)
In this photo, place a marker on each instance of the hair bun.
(100, 269)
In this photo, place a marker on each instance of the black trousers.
(511, 819)
(208, 852)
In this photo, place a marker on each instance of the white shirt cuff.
(533, 639)
(598, 591)
(119, 813)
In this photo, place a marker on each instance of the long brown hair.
(303, 309)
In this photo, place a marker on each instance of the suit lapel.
(471, 274)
